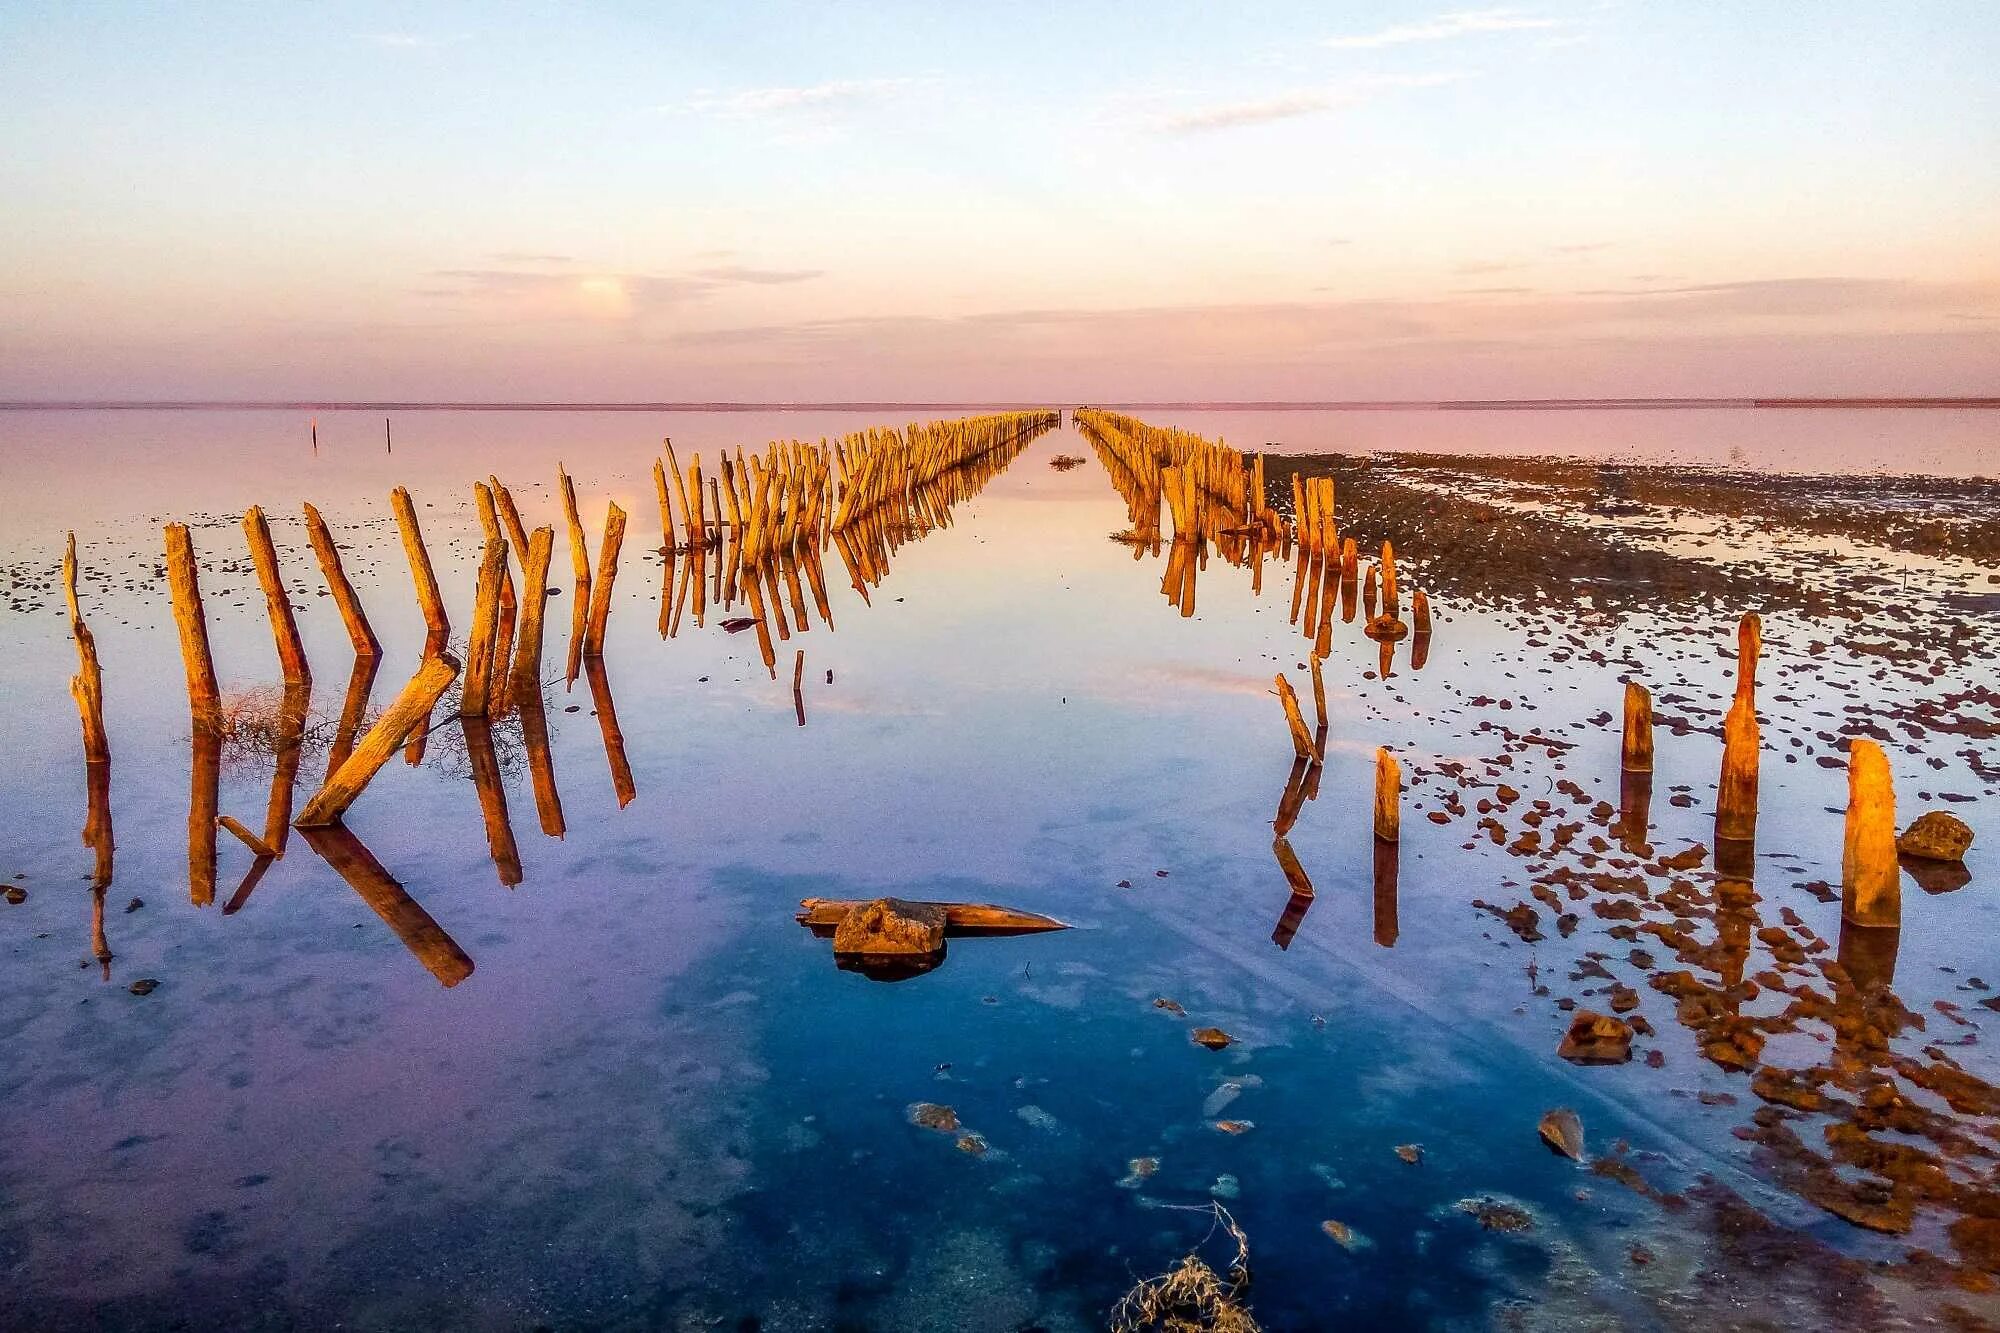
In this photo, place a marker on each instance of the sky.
(1071, 201)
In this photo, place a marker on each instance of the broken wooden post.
(258, 847)
(184, 585)
(284, 626)
(1288, 861)
(410, 708)
(1870, 879)
(1736, 792)
(359, 632)
(1302, 742)
(1749, 647)
(479, 652)
(1319, 700)
(1636, 751)
(798, 686)
(1388, 796)
(87, 685)
(607, 572)
(428, 597)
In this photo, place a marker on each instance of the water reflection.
(422, 936)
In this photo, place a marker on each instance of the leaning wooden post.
(284, 626)
(184, 584)
(1736, 792)
(1388, 796)
(376, 748)
(425, 578)
(87, 686)
(1319, 691)
(1870, 879)
(358, 629)
(1302, 743)
(479, 653)
(534, 601)
(1636, 753)
(607, 571)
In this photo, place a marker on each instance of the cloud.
(1290, 106)
(525, 288)
(755, 103)
(763, 277)
(1444, 27)
(516, 257)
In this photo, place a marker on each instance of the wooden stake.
(798, 686)
(87, 685)
(421, 573)
(1870, 879)
(359, 632)
(1636, 753)
(527, 672)
(1388, 797)
(472, 701)
(1392, 605)
(284, 627)
(607, 572)
(375, 749)
(1749, 647)
(1319, 692)
(1736, 793)
(1302, 742)
(184, 584)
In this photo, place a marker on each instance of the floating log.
(1388, 796)
(1870, 880)
(960, 918)
(410, 708)
(284, 626)
(184, 584)
(359, 632)
(438, 625)
(1736, 792)
(1302, 740)
(607, 572)
(1636, 750)
(87, 685)
(479, 651)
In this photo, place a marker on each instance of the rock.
(1562, 1130)
(972, 1145)
(1596, 1039)
(1386, 626)
(1213, 1038)
(1412, 1153)
(1235, 1126)
(930, 1115)
(1343, 1234)
(135, 904)
(1171, 1006)
(737, 624)
(1495, 1215)
(891, 927)
(144, 986)
(1977, 1240)
(1936, 835)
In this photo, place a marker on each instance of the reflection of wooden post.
(1294, 797)
(1291, 919)
(1749, 647)
(485, 766)
(421, 573)
(1635, 811)
(204, 797)
(541, 767)
(1387, 928)
(1870, 879)
(1420, 611)
(359, 632)
(288, 748)
(614, 739)
(100, 947)
(87, 685)
(1736, 793)
(284, 626)
(352, 709)
(479, 651)
(798, 686)
(1636, 751)
(1388, 796)
(1319, 695)
(184, 583)
(1295, 874)
(1302, 742)
(97, 823)
(420, 934)
(607, 571)
(410, 708)
(527, 672)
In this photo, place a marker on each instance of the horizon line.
(884, 405)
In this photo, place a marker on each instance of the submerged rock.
(1936, 835)
(1596, 1039)
(930, 1115)
(1213, 1038)
(891, 926)
(144, 986)
(1495, 1215)
(1411, 1153)
(1562, 1130)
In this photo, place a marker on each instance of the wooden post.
(1295, 874)
(527, 672)
(1420, 612)
(184, 583)
(284, 627)
(579, 557)
(1319, 693)
(486, 782)
(421, 573)
(798, 686)
(1392, 605)
(359, 632)
(1749, 647)
(503, 503)
(1736, 792)
(1870, 879)
(607, 572)
(410, 708)
(472, 700)
(257, 846)
(87, 686)
(1636, 752)
(1302, 742)
(1388, 797)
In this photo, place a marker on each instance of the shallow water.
(655, 1101)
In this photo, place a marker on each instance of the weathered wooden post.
(527, 673)
(184, 584)
(1870, 879)
(1736, 792)
(479, 653)
(607, 572)
(284, 626)
(375, 749)
(87, 686)
(359, 632)
(1302, 742)
(1749, 648)
(421, 574)
(1388, 796)
(1636, 750)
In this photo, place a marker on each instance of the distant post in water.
(1388, 796)
(184, 584)
(1636, 754)
(1870, 880)
(284, 627)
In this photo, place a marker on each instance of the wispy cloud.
(1461, 23)
(554, 287)
(752, 103)
(763, 277)
(1290, 106)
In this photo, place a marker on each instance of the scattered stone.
(971, 1144)
(1411, 1153)
(1562, 1130)
(1213, 1038)
(1596, 1039)
(930, 1115)
(1936, 835)
(1344, 1235)
(16, 894)
(135, 905)
(1171, 1006)
(1235, 1126)
(1494, 1215)
(144, 986)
